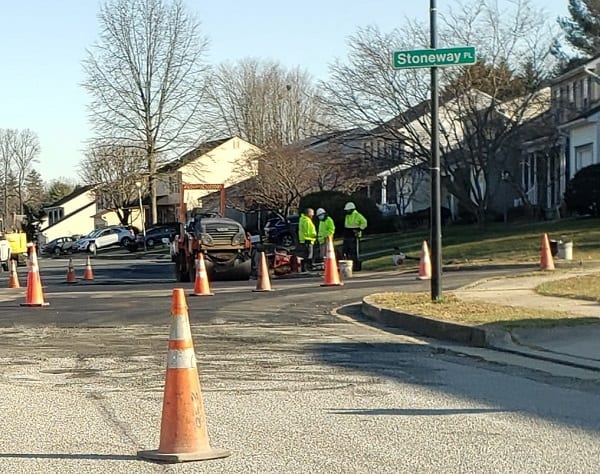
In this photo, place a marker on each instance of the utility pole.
(434, 58)
(436, 194)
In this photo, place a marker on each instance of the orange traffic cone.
(34, 295)
(424, 263)
(201, 285)
(546, 262)
(13, 281)
(332, 276)
(71, 273)
(183, 431)
(263, 283)
(89, 273)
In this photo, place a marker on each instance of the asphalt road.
(288, 386)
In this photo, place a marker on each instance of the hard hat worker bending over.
(354, 224)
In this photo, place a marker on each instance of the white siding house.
(73, 214)
(576, 101)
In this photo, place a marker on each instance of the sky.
(42, 44)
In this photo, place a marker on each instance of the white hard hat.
(320, 212)
(349, 206)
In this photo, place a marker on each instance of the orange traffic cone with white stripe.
(34, 295)
(263, 283)
(88, 274)
(332, 275)
(546, 261)
(201, 285)
(424, 263)
(13, 281)
(71, 273)
(183, 431)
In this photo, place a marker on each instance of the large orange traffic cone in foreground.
(546, 262)
(424, 263)
(183, 431)
(71, 273)
(263, 283)
(13, 281)
(34, 295)
(89, 273)
(332, 276)
(201, 285)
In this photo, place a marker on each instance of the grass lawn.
(585, 287)
(495, 243)
(452, 309)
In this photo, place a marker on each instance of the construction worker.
(326, 230)
(354, 224)
(307, 234)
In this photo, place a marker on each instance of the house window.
(584, 156)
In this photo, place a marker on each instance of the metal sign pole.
(436, 219)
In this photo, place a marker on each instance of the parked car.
(282, 231)
(59, 246)
(105, 237)
(156, 234)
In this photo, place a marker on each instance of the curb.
(424, 326)
(496, 339)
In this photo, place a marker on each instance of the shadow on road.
(94, 457)
(416, 412)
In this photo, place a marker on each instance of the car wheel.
(92, 248)
(287, 240)
(149, 243)
(57, 251)
(125, 241)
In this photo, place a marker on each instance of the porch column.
(562, 169)
(384, 190)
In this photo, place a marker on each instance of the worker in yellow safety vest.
(354, 224)
(307, 234)
(326, 230)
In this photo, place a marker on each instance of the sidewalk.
(577, 345)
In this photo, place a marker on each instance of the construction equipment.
(223, 242)
(17, 239)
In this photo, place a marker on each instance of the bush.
(583, 191)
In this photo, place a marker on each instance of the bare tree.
(482, 107)
(147, 78)
(264, 103)
(26, 149)
(7, 145)
(282, 175)
(114, 171)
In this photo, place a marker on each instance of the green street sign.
(434, 57)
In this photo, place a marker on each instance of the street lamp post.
(138, 185)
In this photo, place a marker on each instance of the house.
(79, 213)
(225, 161)
(357, 157)
(576, 103)
(550, 159)
(470, 178)
(73, 214)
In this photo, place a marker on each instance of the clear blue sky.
(42, 43)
